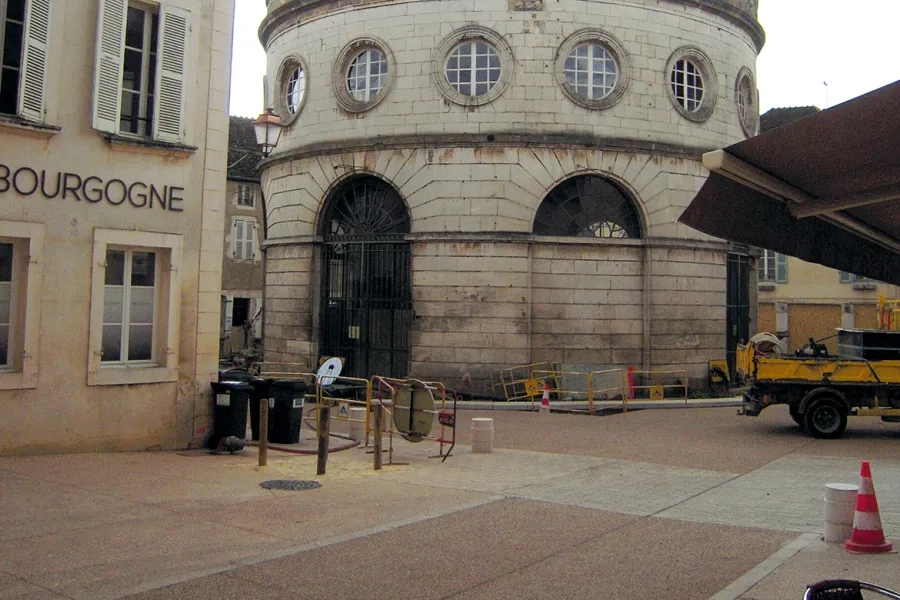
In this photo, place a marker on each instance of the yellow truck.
(822, 391)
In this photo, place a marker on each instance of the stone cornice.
(515, 237)
(292, 11)
(579, 141)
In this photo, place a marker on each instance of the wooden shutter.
(251, 240)
(171, 77)
(110, 54)
(781, 268)
(227, 309)
(34, 60)
(237, 247)
(256, 317)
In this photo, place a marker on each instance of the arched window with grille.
(588, 206)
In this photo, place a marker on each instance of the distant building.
(113, 133)
(799, 300)
(243, 276)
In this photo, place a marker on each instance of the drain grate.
(290, 485)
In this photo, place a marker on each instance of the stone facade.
(71, 380)
(489, 290)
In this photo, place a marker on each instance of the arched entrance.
(366, 279)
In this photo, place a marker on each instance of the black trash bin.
(261, 392)
(234, 374)
(286, 415)
(230, 400)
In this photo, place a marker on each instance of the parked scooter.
(846, 589)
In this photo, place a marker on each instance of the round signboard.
(413, 412)
(329, 371)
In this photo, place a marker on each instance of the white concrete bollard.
(840, 507)
(482, 435)
(358, 424)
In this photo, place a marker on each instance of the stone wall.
(533, 99)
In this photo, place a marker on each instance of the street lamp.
(267, 128)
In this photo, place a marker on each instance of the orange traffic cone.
(545, 400)
(868, 535)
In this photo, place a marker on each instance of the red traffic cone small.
(868, 535)
(545, 399)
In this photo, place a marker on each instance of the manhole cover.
(290, 485)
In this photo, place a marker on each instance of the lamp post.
(267, 128)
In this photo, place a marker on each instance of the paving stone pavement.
(786, 494)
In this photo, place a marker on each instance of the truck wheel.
(798, 418)
(826, 418)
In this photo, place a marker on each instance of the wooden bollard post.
(323, 429)
(263, 431)
(379, 421)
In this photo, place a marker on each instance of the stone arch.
(363, 203)
(590, 204)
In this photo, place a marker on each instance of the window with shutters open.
(773, 267)
(244, 239)
(140, 69)
(24, 37)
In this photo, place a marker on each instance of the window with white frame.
(21, 265)
(244, 239)
(591, 71)
(473, 68)
(24, 38)
(7, 301)
(773, 267)
(129, 306)
(692, 83)
(687, 85)
(295, 89)
(367, 75)
(135, 307)
(141, 69)
(245, 195)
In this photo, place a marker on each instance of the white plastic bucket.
(482, 435)
(840, 507)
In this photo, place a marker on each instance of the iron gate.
(737, 317)
(366, 310)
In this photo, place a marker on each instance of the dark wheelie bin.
(261, 392)
(230, 399)
(286, 415)
(234, 374)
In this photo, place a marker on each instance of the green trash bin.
(286, 412)
(230, 400)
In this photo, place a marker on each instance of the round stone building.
(468, 185)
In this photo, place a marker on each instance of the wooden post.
(323, 429)
(379, 421)
(263, 431)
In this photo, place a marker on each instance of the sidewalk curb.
(745, 583)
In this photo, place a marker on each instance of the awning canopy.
(825, 189)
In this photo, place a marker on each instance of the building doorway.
(737, 301)
(366, 312)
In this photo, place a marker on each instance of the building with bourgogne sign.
(113, 135)
(467, 185)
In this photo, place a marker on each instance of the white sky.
(847, 43)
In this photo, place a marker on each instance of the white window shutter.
(34, 60)
(251, 240)
(781, 268)
(238, 240)
(171, 74)
(227, 308)
(256, 315)
(110, 54)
